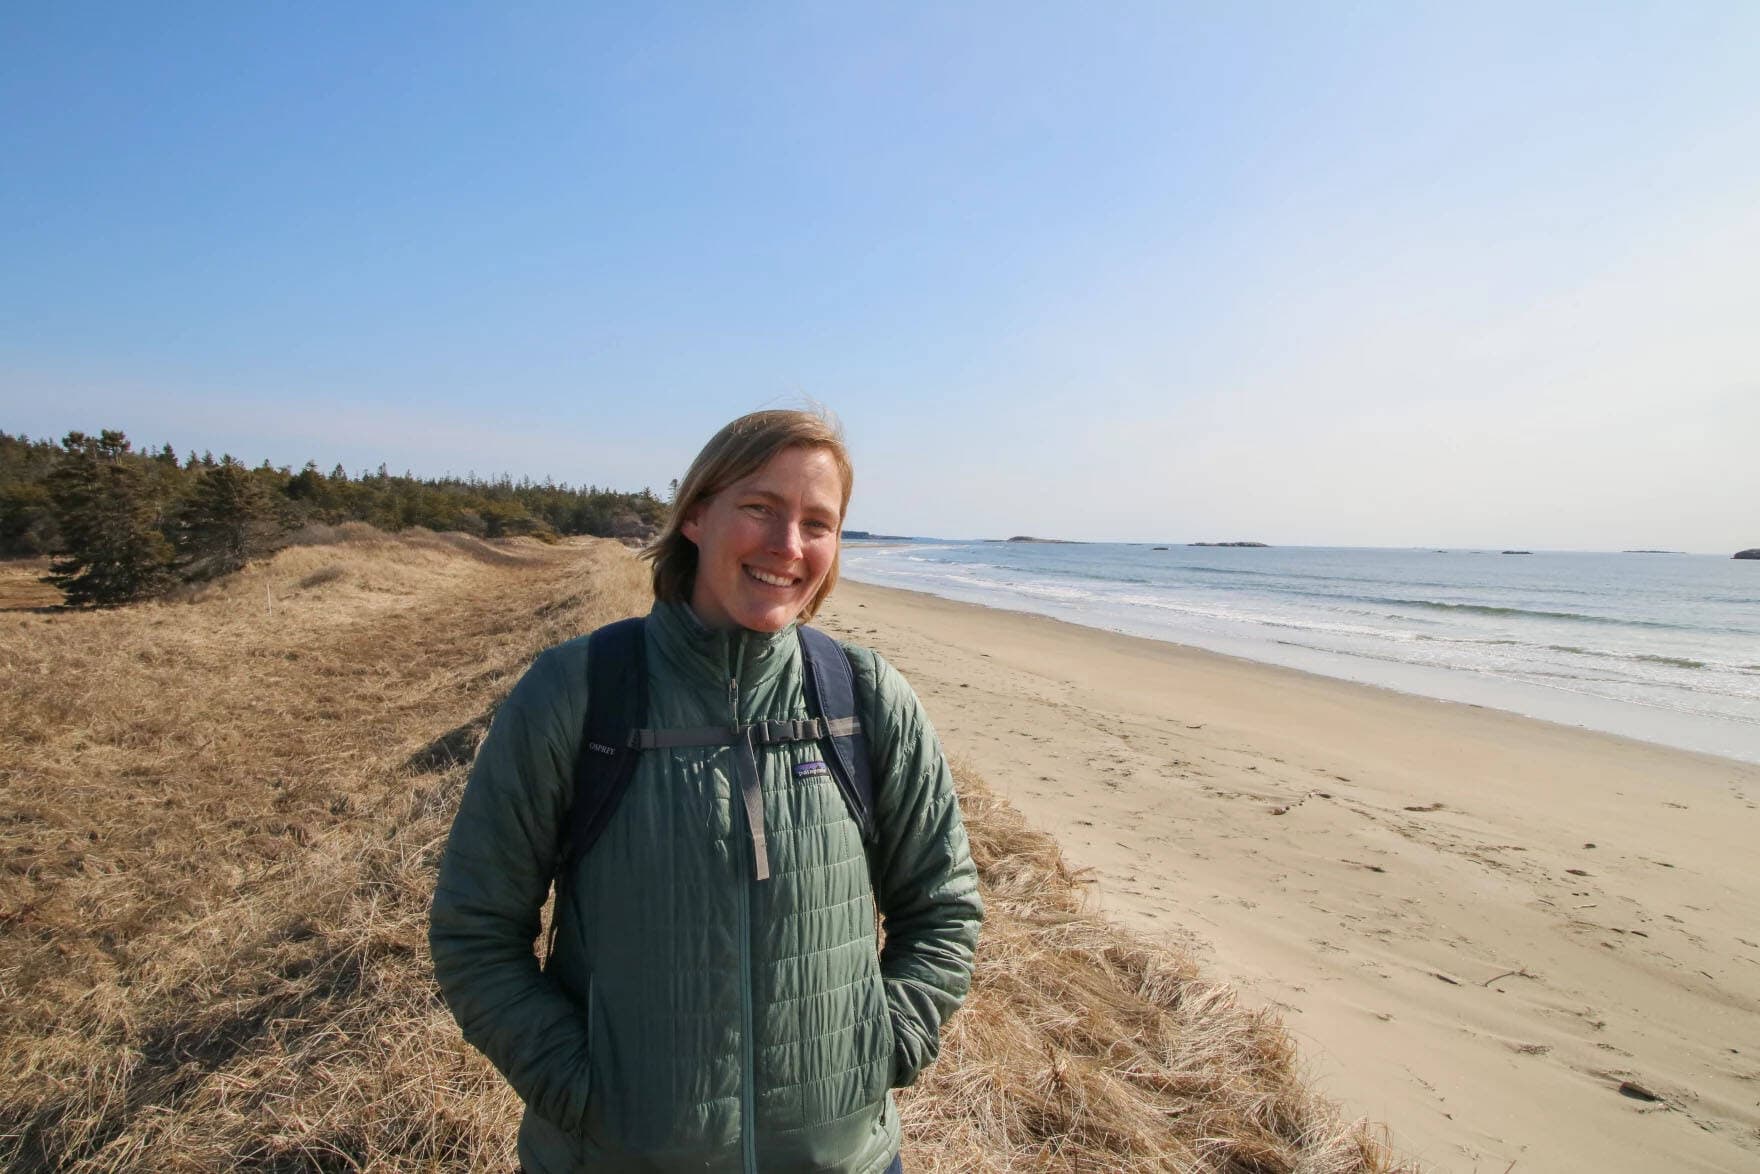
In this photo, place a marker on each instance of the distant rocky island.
(1518, 552)
(1255, 544)
(1051, 541)
(1753, 552)
(1658, 552)
(870, 536)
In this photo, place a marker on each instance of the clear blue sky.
(1309, 273)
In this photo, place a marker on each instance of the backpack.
(614, 737)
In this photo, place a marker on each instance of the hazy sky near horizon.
(1358, 274)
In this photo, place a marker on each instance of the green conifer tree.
(227, 521)
(111, 550)
(307, 484)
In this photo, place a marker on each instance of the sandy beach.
(1478, 926)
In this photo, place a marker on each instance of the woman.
(714, 999)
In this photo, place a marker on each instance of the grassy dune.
(219, 822)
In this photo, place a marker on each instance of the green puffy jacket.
(692, 1017)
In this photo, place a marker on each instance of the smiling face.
(766, 542)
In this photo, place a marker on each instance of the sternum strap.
(745, 740)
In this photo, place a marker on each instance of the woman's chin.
(769, 620)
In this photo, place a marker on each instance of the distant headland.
(1752, 552)
(1254, 544)
(1051, 541)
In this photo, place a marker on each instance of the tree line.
(126, 524)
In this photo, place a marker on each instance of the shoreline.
(1693, 732)
(1393, 873)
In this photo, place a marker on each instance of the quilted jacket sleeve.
(925, 882)
(493, 882)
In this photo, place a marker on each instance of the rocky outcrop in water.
(1752, 553)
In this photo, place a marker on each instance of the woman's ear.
(692, 526)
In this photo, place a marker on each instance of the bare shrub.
(314, 534)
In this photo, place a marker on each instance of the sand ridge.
(1480, 926)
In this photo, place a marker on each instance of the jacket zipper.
(747, 1107)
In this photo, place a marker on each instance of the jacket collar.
(751, 658)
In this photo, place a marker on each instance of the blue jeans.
(897, 1166)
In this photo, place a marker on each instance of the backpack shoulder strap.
(617, 703)
(830, 683)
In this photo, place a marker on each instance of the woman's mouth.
(770, 580)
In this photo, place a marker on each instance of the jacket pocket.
(884, 1073)
(590, 1150)
(594, 1038)
(592, 1029)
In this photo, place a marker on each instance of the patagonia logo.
(803, 770)
(600, 748)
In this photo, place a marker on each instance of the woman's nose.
(785, 537)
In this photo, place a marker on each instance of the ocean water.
(1662, 647)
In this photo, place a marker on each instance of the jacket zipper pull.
(733, 697)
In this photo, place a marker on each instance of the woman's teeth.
(772, 580)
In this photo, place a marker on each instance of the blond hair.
(737, 451)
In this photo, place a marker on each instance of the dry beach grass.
(219, 820)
